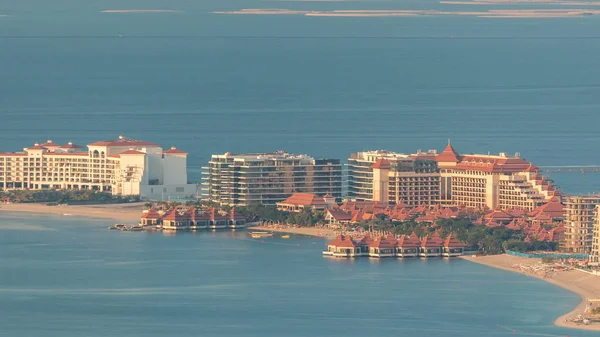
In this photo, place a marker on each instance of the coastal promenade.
(119, 212)
(583, 284)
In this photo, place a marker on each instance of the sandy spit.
(140, 11)
(128, 213)
(319, 232)
(583, 284)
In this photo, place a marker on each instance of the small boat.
(285, 236)
(136, 228)
(257, 235)
(117, 226)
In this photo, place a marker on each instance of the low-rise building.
(121, 166)
(299, 202)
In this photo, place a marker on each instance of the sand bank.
(583, 284)
(320, 232)
(129, 213)
(140, 11)
(509, 13)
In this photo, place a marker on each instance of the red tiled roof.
(342, 241)
(13, 154)
(532, 168)
(151, 214)
(70, 145)
(407, 241)
(498, 216)
(174, 150)
(36, 147)
(234, 216)
(173, 215)
(304, 199)
(433, 240)
(131, 152)
(452, 242)
(492, 164)
(382, 164)
(449, 155)
(553, 208)
(122, 141)
(339, 215)
(383, 242)
(49, 143)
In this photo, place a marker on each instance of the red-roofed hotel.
(448, 178)
(122, 167)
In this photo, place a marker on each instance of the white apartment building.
(122, 167)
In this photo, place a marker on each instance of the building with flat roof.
(268, 178)
(122, 167)
(580, 213)
(448, 178)
(595, 254)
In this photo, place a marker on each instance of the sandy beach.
(583, 284)
(320, 232)
(127, 213)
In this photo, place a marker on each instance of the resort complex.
(122, 167)
(447, 178)
(268, 178)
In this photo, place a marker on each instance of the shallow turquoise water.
(68, 277)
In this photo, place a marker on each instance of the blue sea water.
(62, 276)
(326, 86)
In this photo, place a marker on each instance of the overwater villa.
(408, 246)
(431, 245)
(191, 218)
(405, 246)
(383, 247)
(452, 247)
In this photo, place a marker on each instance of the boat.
(136, 228)
(117, 226)
(257, 235)
(285, 236)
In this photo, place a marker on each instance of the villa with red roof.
(388, 246)
(298, 202)
(121, 166)
(448, 178)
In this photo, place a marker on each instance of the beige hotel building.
(122, 167)
(447, 178)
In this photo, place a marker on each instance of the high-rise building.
(122, 167)
(448, 178)
(595, 254)
(579, 223)
(267, 178)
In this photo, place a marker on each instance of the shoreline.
(583, 284)
(130, 212)
(310, 231)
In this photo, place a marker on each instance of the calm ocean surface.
(326, 86)
(64, 277)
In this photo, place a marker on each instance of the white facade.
(122, 167)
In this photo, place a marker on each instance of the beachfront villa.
(191, 218)
(448, 178)
(404, 247)
(269, 178)
(121, 166)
